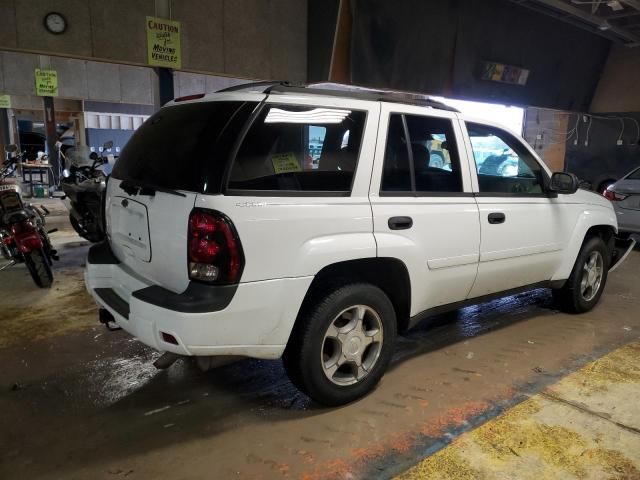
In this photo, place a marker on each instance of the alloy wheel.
(351, 345)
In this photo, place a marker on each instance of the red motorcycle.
(23, 237)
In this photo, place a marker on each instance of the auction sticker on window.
(163, 43)
(285, 163)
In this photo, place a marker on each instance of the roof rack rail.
(268, 84)
(365, 94)
(338, 90)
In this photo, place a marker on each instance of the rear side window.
(184, 147)
(421, 156)
(299, 149)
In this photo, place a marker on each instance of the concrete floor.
(586, 426)
(80, 402)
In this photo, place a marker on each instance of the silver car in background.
(625, 196)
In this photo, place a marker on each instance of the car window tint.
(435, 156)
(430, 147)
(185, 146)
(396, 175)
(503, 163)
(299, 148)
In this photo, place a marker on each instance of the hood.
(591, 198)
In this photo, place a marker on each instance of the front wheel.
(584, 287)
(39, 268)
(342, 344)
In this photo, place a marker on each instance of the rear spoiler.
(621, 250)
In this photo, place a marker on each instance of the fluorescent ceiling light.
(317, 116)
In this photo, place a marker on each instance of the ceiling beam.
(627, 14)
(632, 3)
(593, 20)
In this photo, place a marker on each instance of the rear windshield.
(184, 147)
(299, 149)
(635, 175)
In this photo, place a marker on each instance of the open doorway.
(505, 115)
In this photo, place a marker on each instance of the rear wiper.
(134, 188)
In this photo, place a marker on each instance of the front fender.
(591, 216)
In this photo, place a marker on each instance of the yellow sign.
(46, 83)
(5, 101)
(163, 43)
(285, 163)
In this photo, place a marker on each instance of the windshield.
(184, 147)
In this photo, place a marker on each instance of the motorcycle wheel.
(39, 268)
(76, 226)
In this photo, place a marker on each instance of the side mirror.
(11, 148)
(563, 182)
(93, 156)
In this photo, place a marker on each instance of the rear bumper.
(250, 319)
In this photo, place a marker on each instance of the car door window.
(420, 156)
(503, 163)
(299, 148)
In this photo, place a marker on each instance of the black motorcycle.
(84, 188)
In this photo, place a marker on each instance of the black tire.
(39, 269)
(76, 226)
(304, 353)
(570, 297)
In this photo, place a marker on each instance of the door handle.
(400, 223)
(497, 217)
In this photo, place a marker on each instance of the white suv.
(276, 221)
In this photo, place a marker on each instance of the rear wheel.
(584, 287)
(39, 268)
(342, 344)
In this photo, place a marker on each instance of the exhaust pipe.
(166, 360)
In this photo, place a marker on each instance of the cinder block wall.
(239, 38)
(547, 132)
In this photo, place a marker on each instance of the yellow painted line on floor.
(587, 426)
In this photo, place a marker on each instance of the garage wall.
(594, 154)
(436, 46)
(547, 132)
(246, 38)
(78, 79)
(619, 86)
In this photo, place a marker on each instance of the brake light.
(613, 196)
(189, 97)
(214, 249)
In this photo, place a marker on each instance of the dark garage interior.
(432, 270)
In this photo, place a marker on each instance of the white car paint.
(452, 253)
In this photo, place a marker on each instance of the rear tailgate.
(180, 150)
(148, 234)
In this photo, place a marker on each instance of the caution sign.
(285, 163)
(163, 43)
(5, 101)
(46, 83)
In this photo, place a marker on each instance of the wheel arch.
(600, 222)
(389, 274)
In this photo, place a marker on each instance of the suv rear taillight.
(613, 196)
(214, 249)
